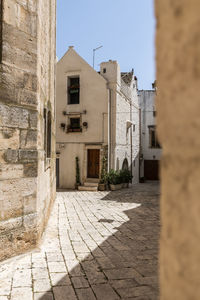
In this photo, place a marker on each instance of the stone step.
(95, 180)
(87, 188)
(91, 184)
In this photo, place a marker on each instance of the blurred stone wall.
(178, 105)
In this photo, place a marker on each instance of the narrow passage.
(98, 245)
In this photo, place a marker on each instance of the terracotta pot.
(115, 187)
(76, 186)
(102, 187)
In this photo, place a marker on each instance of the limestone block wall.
(135, 137)
(123, 139)
(123, 107)
(127, 109)
(178, 81)
(27, 56)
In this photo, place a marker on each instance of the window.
(153, 140)
(74, 125)
(73, 90)
(154, 112)
(104, 70)
(49, 134)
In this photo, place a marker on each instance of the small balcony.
(73, 129)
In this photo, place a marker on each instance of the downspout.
(109, 130)
(131, 133)
(103, 119)
(140, 150)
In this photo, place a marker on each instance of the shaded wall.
(27, 176)
(178, 103)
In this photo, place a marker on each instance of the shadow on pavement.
(125, 265)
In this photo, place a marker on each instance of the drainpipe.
(131, 132)
(109, 130)
(140, 149)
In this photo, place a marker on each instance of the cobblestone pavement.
(98, 245)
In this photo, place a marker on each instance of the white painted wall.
(136, 132)
(125, 108)
(147, 105)
(93, 99)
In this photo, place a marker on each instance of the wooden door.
(93, 163)
(151, 169)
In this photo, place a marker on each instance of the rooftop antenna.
(94, 50)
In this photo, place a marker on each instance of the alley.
(98, 245)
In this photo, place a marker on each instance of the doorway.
(93, 163)
(57, 172)
(151, 169)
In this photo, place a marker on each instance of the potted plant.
(114, 180)
(125, 177)
(103, 178)
(78, 182)
(142, 179)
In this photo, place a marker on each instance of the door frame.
(153, 165)
(85, 170)
(88, 168)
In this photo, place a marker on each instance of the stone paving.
(98, 245)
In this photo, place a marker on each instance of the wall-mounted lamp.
(85, 124)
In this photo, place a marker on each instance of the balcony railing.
(74, 89)
(72, 129)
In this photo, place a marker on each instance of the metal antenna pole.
(94, 54)
(93, 57)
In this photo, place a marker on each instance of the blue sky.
(125, 28)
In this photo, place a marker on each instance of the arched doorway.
(125, 164)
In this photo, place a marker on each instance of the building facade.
(95, 119)
(150, 150)
(27, 122)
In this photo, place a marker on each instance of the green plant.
(126, 176)
(103, 178)
(77, 171)
(114, 177)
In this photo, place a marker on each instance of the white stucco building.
(150, 151)
(97, 115)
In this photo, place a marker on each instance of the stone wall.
(123, 108)
(127, 109)
(26, 88)
(178, 104)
